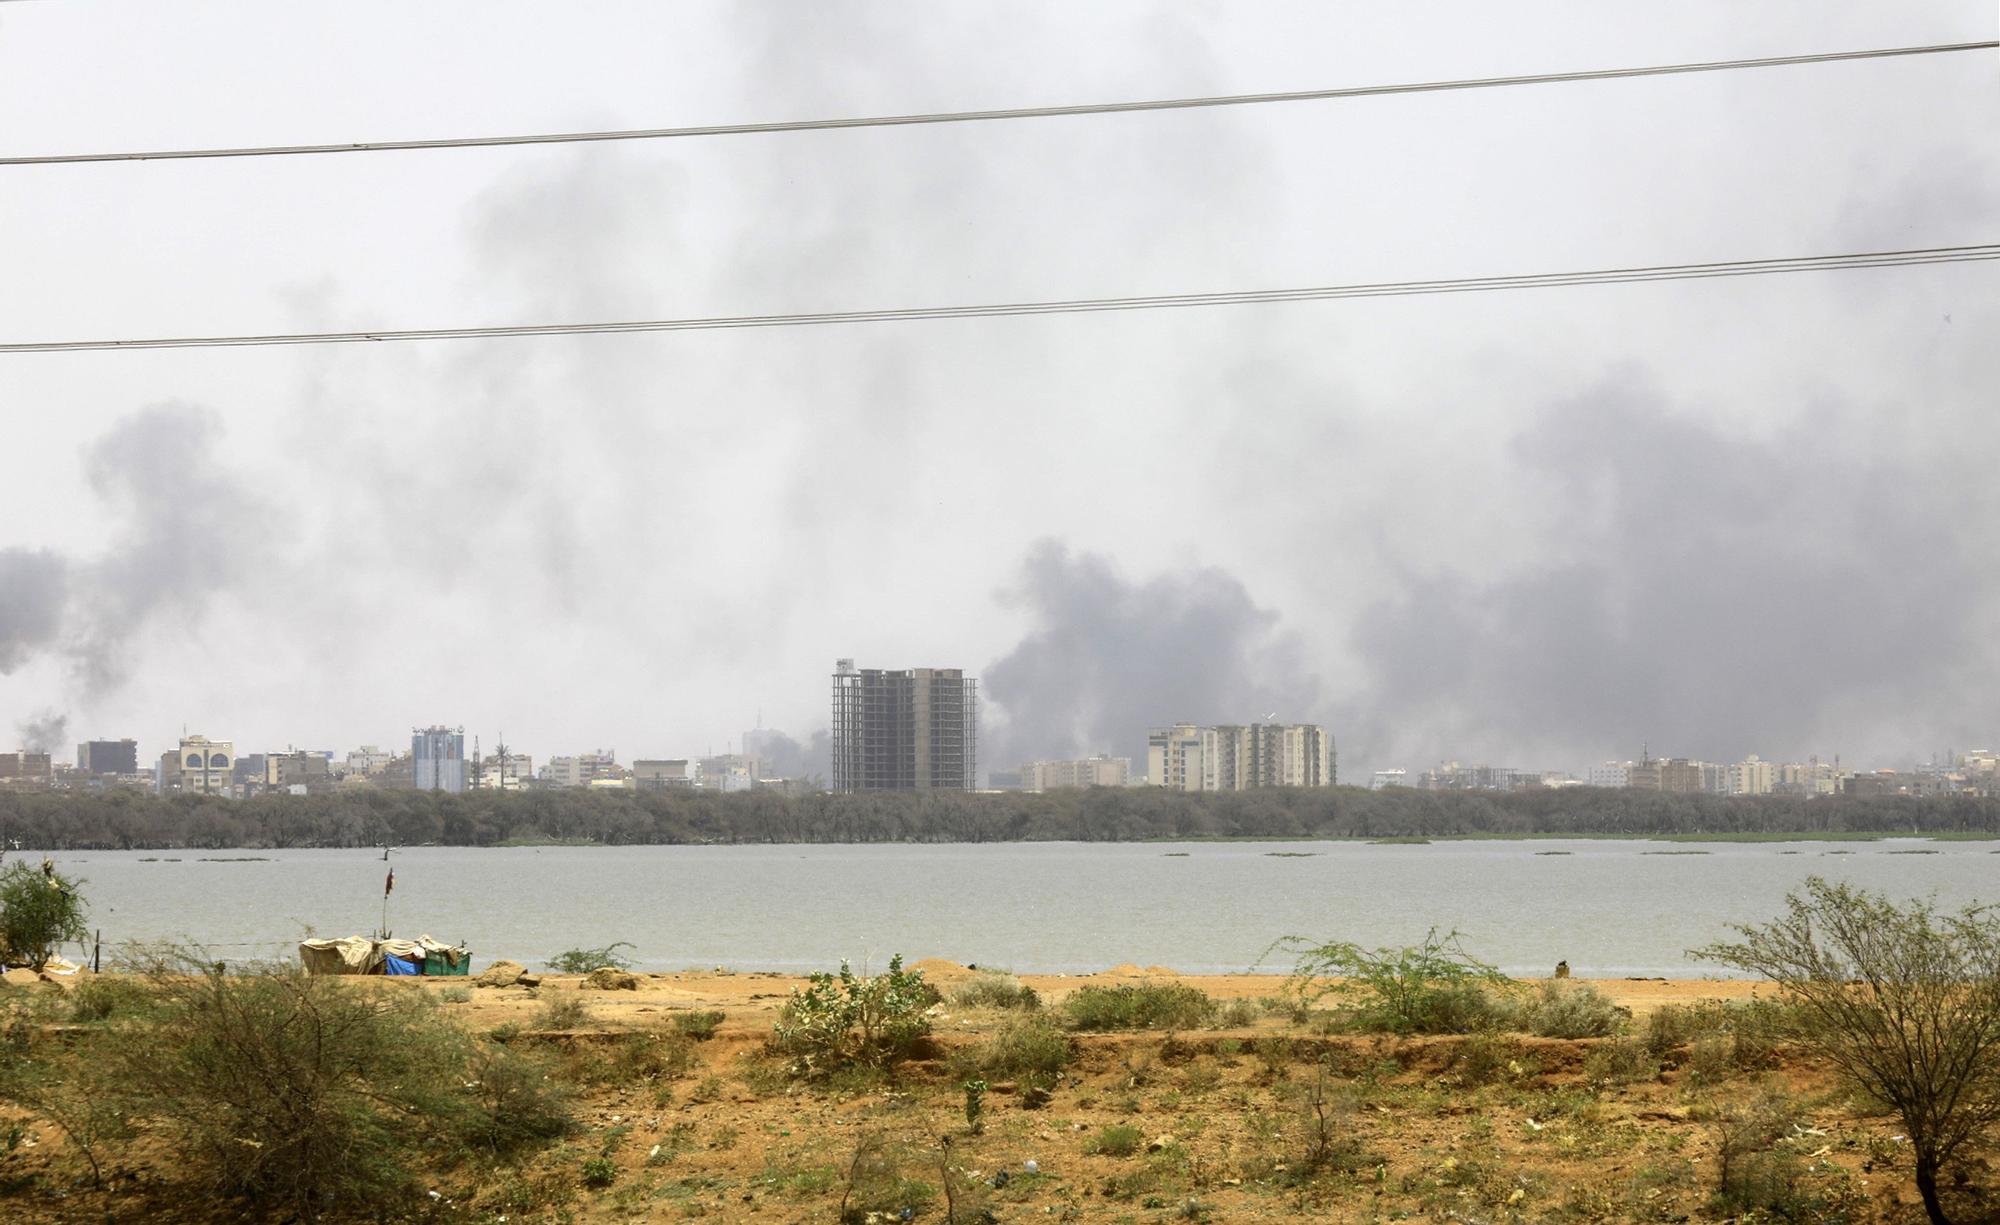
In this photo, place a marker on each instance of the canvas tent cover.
(362, 955)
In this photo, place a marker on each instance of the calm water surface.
(1610, 907)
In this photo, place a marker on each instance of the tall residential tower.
(913, 730)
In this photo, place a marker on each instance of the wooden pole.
(97, 952)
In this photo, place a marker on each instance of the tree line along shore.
(128, 820)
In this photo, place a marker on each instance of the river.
(1611, 908)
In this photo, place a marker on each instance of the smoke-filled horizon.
(1539, 529)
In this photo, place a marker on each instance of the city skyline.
(1535, 526)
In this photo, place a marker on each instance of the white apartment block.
(1381, 780)
(1234, 757)
(1752, 776)
(1610, 774)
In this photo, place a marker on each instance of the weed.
(698, 1025)
(455, 995)
(599, 1172)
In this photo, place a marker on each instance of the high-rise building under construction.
(910, 730)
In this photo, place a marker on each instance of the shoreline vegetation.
(128, 820)
(1133, 1094)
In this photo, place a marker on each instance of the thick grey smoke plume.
(45, 732)
(1109, 658)
(186, 530)
(1709, 593)
(33, 587)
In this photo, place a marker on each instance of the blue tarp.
(392, 964)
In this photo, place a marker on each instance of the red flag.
(390, 886)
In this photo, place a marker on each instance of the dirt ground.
(1213, 1124)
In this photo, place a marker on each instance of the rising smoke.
(1107, 658)
(186, 530)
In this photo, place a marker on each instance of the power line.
(1383, 289)
(1029, 112)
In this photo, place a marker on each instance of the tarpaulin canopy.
(365, 955)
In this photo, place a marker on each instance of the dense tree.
(129, 820)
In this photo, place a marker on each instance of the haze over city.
(1543, 527)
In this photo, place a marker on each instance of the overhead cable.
(1027, 112)
(1383, 289)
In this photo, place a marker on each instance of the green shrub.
(1560, 1009)
(519, 1104)
(994, 989)
(698, 1025)
(846, 1020)
(1621, 1061)
(39, 909)
(1432, 987)
(310, 1096)
(599, 1172)
(101, 999)
(1147, 1006)
(583, 961)
(1118, 1140)
(1031, 1049)
(562, 1012)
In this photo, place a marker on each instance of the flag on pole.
(389, 886)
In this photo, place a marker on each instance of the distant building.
(204, 766)
(108, 757)
(1752, 776)
(298, 769)
(1610, 774)
(437, 759)
(1232, 757)
(1097, 771)
(1679, 776)
(664, 774)
(26, 766)
(1382, 780)
(583, 769)
(727, 772)
(505, 770)
(368, 759)
(1174, 757)
(1003, 780)
(911, 730)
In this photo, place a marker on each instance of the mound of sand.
(937, 969)
(1127, 970)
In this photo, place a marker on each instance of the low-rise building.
(1099, 771)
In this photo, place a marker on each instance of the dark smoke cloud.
(1109, 658)
(187, 529)
(33, 587)
(44, 732)
(1711, 594)
(780, 756)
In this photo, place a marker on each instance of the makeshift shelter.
(366, 955)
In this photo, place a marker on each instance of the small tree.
(1903, 1001)
(39, 909)
(1433, 987)
(845, 1019)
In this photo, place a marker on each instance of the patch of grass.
(1146, 1006)
(1117, 1140)
(1031, 1049)
(455, 995)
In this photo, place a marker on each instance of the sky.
(1539, 529)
